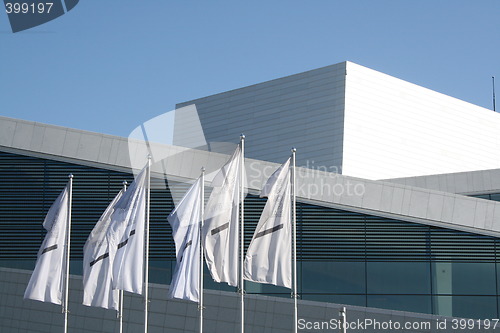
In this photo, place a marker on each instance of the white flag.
(185, 220)
(126, 237)
(97, 288)
(269, 256)
(220, 230)
(46, 282)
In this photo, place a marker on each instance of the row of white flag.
(114, 251)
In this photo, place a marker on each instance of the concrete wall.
(263, 314)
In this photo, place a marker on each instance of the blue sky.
(108, 66)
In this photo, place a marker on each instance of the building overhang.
(380, 198)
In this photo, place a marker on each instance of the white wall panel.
(393, 128)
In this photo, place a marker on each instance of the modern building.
(355, 121)
(406, 230)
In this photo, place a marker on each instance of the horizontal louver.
(29, 185)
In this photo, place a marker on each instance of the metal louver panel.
(29, 185)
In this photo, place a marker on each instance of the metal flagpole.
(202, 217)
(146, 270)
(120, 294)
(494, 103)
(294, 220)
(242, 233)
(343, 318)
(68, 239)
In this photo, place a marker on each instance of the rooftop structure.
(419, 245)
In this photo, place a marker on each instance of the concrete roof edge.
(380, 198)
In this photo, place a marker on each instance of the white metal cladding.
(378, 198)
(357, 121)
(393, 128)
(471, 182)
(304, 110)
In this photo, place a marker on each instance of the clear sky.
(107, 66)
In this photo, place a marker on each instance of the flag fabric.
(97, 287)
(125, 237)
(46, 282)
(269, 256)
(220, 230)
(185, 221)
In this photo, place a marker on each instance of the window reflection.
(411, 303)
(161, 271)
(398, 278)
(333, 277)
(263, 288)
(476, 307)
(359, 300)
(464, 278)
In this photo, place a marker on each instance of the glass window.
(333, 277)
(495, 197)
(482, 196)
(76, 267)
(411, 303)
(359, 300)
(161, 271)
(272, 289)
(27, 264)
(398, 278)
(209, 283)
(264, 288)
(253, 288)
(462, 278)
(498, 278)
(476, 307)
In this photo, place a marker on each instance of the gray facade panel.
(37, 138)
(263, 313)
(22, 136)
(260, 111)
(473, 182)
(7, 130)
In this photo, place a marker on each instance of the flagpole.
(242, 233)
(146, 271)
(68, 239)
(120, 293)
(294, 219)
(202, 216)
(494, 103)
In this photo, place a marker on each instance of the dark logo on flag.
(26, 14)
